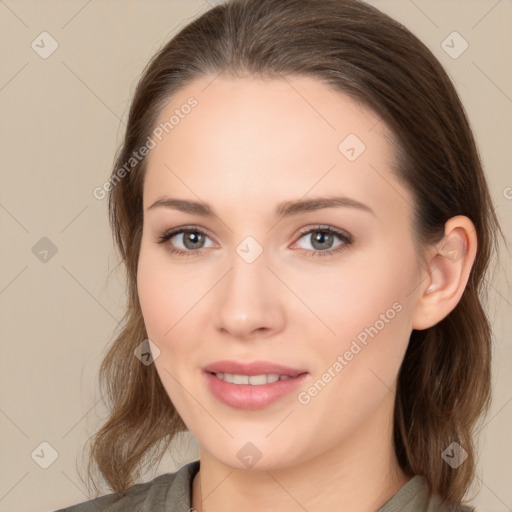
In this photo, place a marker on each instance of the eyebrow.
(284, 209)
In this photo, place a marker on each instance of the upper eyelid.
(343, 235)
(325, 227)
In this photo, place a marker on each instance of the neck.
(359, 474)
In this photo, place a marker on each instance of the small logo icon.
(453, 249)
(44, 455)
(44, 45)
(44, 250)
(249, 455)
(249, 249)
(454, 45)
(147, 352)
(454, 455)
(351, 147)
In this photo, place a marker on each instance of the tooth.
(256, 380)
(240, 379)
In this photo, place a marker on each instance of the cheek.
(354, 296)
(367, 307)
(163, 301)
(150, 295)
(165, 296)
(357, 366)
(161, 294)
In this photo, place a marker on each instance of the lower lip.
(247, 396)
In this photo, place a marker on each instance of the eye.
(322, 239)
(192, 238)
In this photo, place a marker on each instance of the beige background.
(62, 119)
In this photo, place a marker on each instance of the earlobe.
(449, 267)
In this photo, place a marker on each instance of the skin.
(248, 146)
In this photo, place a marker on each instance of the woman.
(306, 226)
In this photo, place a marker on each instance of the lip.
(247, 396)
(252, 368)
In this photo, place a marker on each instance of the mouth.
(253, 380)
(253, 385)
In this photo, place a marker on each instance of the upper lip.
(252, 368)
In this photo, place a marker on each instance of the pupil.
(323, 236)
(193, 235)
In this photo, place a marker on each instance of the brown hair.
(444, 381)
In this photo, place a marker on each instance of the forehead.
(248, 139)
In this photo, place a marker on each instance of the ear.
(449, 264)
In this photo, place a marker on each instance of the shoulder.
(414, 496)
(170, 491)
(438, 506)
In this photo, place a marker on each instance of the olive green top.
(172, 492)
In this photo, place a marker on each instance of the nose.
(249, 301)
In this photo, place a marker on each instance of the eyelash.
(345, 238)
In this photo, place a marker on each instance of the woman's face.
(263, 155)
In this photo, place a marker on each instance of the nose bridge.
(248, 299)
(247, 282)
